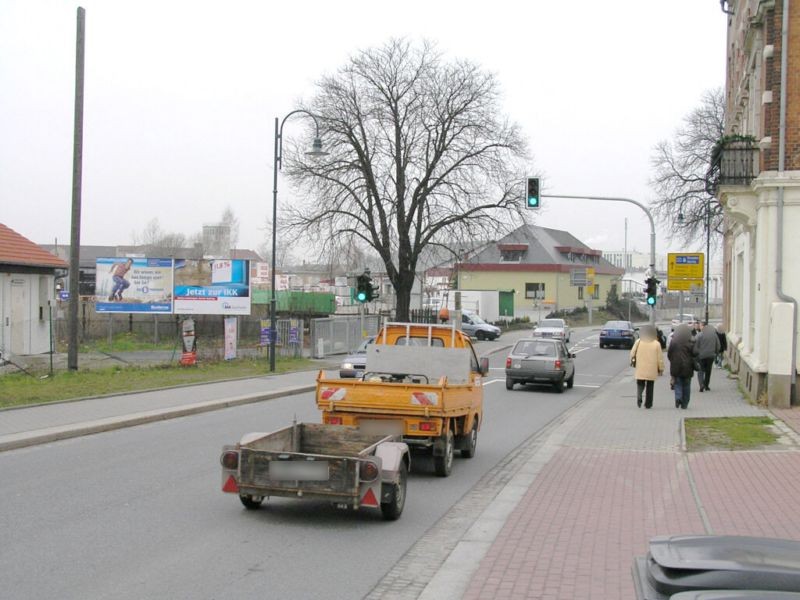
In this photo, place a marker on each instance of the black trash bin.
(736, 595)
(678, 564)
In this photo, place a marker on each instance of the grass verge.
(19, 389)
(729, 433)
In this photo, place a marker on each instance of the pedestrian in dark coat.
(681, 364)
(706, 346)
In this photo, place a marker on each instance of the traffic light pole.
(652, 230)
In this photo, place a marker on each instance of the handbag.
(635, 352)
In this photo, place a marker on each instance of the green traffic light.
(651, 300)
(532, 193)
(361, 296)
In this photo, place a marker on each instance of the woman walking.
(681, 364)
(647, 357)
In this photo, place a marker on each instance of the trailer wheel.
(251, 502)
(472, 441)
(444, 464)
(393, 509)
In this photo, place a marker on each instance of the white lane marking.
(586, 386)
(578, 350)
(485, 383)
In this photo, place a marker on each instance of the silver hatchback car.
(540, 360)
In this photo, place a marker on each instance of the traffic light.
(365, 292)
(362, 287)
(651, 290)
(532, 197)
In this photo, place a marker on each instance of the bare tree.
(680, 166)
(230, 220)
(419, 153)
(284, 247)
(157, 239)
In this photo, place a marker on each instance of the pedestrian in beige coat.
(647, 357)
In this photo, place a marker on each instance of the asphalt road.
(138, 513)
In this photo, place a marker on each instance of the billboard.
(212, 287)
(133, 285)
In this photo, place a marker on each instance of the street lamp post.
(316, 150)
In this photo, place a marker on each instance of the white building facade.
(758, 184)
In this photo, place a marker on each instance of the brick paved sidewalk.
(618, 477)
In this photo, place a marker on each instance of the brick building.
(755, 175)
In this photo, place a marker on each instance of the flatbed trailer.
(344, 465)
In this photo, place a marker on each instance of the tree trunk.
(405, 283)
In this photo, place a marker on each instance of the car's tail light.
(368, 471)
(558, 364)
(427, 426)
(508, 362)
(603, 332)
(334, 420)
(230, 460)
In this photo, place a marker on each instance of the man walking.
(706, 347)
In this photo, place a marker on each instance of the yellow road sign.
(685, 265)
(684, 285)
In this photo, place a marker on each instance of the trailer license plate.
(299, 470)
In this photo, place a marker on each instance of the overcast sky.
(181, 97)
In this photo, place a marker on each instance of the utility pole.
(77, 178)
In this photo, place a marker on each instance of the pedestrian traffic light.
(651, 290)
(532, 197)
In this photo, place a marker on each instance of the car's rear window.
(535, 349)
(617, 325)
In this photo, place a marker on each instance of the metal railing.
(733, 163)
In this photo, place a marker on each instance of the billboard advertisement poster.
(133, 285)
(212, 287)
(230, 337)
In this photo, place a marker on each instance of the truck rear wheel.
(251, 502)
(393, 509)
(444, 464)
(472, 441)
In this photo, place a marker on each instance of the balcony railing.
(733, 162)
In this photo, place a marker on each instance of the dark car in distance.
(618, 333)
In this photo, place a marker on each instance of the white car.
(684, 318)
(553, 328)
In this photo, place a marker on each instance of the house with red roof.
(27, 291)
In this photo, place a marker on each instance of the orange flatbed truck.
(422, 382)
